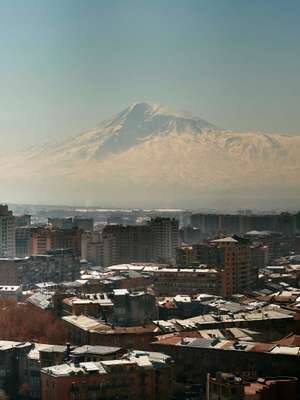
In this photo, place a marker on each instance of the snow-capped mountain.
(149, 155)
(137, 123)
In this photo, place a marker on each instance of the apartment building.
(154, 242)
(56, 266)
(238, 273)
(137, 375)
(7, 232)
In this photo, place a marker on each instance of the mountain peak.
(148, 153)
(152, 109)
(139, 122)
(142, 121)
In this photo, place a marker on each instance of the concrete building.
(66, 239)
(7, 233)
(238, 274)
(278, 244)
(259, 255)
(200, 253)
(23, 220)
(97, 305)
(164, 238)
(190, 235)
(154, 242)
(242, 356)
(38, 356)
(184, 256)
(212, 224)
(46, 239)
(225, 386)
(41, 240)
(172, 281)
(56, 266)
(92, 247)
(10, 355)
(136, 376)
(273, 322)
(86, 330)
(124, 244)
(119, 308)
(60, 223)
(84, 224)
(133, 308)
(95, 353)
(13, 292)
(23, 242)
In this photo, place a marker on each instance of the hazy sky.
(67, 64)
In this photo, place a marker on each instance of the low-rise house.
(136, 376)
(240, 356)
(86, 330)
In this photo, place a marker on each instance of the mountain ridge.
(148, 154)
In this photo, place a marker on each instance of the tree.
(24, 322)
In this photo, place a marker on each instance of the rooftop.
(135, 358)
(220, 343)
(100, 350)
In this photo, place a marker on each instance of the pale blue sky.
(67, 64)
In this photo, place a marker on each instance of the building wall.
(46, 239)
(57, 267)
(8, 272)
(92, 247)
(171, 283)
(125, 244)
(242, 223)
(124, 382)
(133, 309)
(164, 237)
(156, 241)
(41, 241)
(239, 362)
(238, 275)
(223, 388)
(23, 242)
(131, 339)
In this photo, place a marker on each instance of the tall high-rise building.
(23, 220)
(56, 266)
(239, 274)
(154, 242)
(23, 241)
(164, 238)
(85, 224)
(45, 239)
(200, 253)
(92, 247)
(211, 224)
(7, 233)
(125, 244)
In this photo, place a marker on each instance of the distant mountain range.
(148, 155)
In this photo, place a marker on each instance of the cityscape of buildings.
(149, 200)
(153, 304)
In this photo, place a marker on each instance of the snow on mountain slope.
(130, 127)
(150, 155)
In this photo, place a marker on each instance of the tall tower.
(7, 233)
